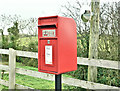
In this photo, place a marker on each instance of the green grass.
(33, 82)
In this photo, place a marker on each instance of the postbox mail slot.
(47, 38)
(47, 26)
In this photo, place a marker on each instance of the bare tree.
(32, 26)
(73, 11)
(108, 42)
(109, 29)
(5, 22)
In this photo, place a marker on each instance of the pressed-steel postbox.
(57, 45)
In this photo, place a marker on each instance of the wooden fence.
(69, 81)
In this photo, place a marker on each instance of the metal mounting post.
(58, 82)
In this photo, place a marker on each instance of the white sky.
(31, 8)
(35, 8)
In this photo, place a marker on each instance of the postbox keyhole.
(48, 41)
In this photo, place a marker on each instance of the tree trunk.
(93, 41)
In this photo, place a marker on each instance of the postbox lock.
(48, 41)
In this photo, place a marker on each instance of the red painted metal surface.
(64, 44)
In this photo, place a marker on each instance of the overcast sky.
(31, 8)
(35, 8)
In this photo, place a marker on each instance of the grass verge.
(33, 82)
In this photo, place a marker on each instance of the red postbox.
(57, 45)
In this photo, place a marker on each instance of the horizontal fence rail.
(66, 80)
(99, 63)
(27, 54)
(4, 67)
(80, 60)
(6, 83)
(4, 51)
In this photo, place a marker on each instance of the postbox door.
(49, 55)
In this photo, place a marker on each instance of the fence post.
(12, 66)
(94, 37)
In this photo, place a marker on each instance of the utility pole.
(94, 37)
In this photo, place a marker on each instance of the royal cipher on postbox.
(57, 45)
